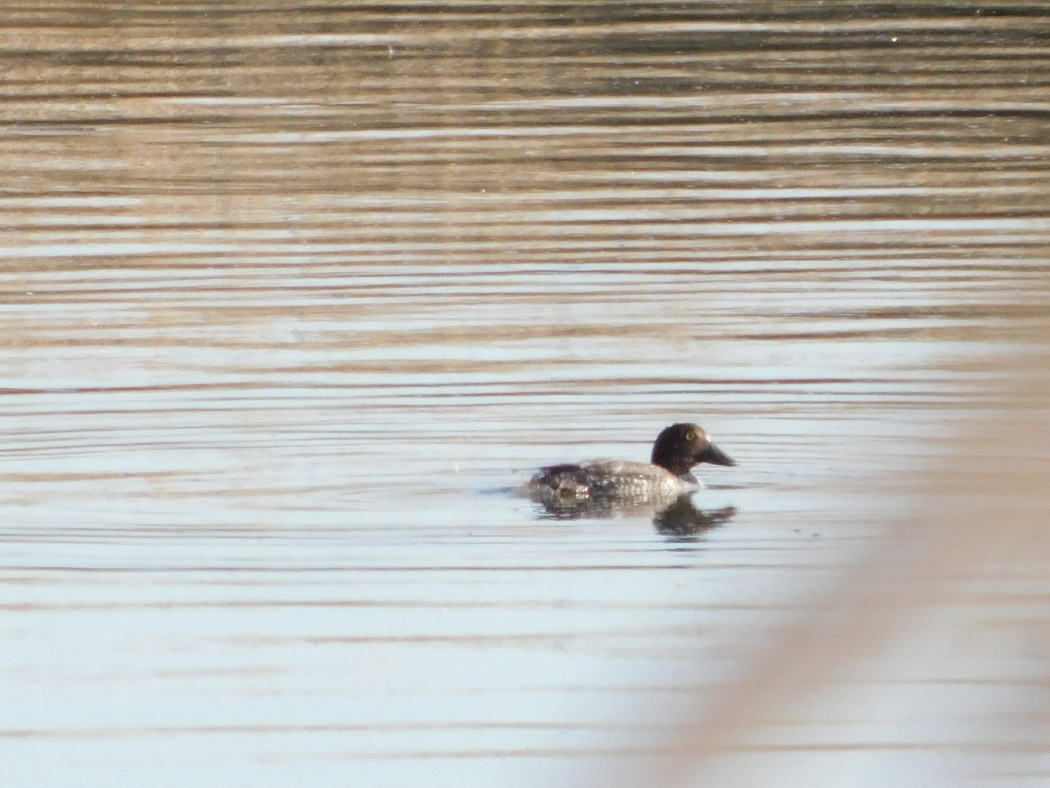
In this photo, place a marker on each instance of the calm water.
(289, 297)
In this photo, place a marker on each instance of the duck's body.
(676, 451)
(611, 478)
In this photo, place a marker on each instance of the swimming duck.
(677, 450)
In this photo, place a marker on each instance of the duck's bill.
(716, 456)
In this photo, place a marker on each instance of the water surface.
(288, 296)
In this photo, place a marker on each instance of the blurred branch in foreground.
(927, 664)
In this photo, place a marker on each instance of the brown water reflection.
(285, 291)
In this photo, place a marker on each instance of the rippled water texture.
(291, 296)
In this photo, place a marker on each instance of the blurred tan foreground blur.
(929, 662)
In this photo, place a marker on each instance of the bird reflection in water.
(678, 518)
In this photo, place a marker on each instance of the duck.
(677, 450)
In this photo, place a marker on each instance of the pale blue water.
(281, 329)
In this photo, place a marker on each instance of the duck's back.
(609, 479)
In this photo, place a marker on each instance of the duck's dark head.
(681, 446)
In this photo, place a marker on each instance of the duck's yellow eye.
(690, 436)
